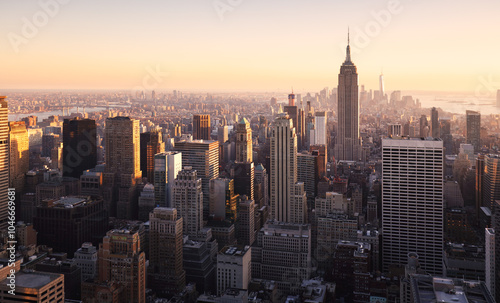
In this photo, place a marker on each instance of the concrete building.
(244, 150)
(166, 167)
(39, 287)
(233, 268)
(491, 181)
(288, 199)
(244, 178)
(223, 200)
(202, 156)
(352, 266)
(123, 171)
(166, 274)
(246, 221)
(86, 258)
(19, 155)
(122, 260)
(76, 219)
(4, 162)
(490, 261)
(199, 266)
(188, 200)
(425, 288)
(435, 126)
(412, 188)
(201, 127)
(282, 252)
(146, 202)
(473, 129)
(79, 146)
(320, 134)
(151, 144)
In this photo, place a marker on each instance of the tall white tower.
(412, 202)
(288, 199)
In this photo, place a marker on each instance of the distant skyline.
(243, 45)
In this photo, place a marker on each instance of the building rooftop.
(33, 279)
(231, 250)
(431, 289)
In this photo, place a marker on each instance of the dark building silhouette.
(64, 224)
(79, 146)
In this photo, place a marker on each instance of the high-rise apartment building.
(474, 129)
(4, 162)
(121, 260)
(166, 274)
(19, 155)
(348, 144)
(201, 127)
(286, 203)
(244, 151)
(202, 156)
(79, 146)
(166, 167)
(412, 202)
(188, 200)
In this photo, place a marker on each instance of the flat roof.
(33, 279)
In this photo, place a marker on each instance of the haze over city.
(215, 151)
(250, 45)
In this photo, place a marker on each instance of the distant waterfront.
(44, 115)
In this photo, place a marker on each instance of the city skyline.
(248, 46)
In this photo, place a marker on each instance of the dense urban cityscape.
(353, 193)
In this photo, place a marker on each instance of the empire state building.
(348, 143)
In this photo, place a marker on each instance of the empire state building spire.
(348, 51)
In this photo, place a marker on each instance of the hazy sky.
(258, 45)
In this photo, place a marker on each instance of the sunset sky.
(256, 45)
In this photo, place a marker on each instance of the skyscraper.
(381, 87)
(166, 167)
(166, 273)
(320, 128)
(491, 181)
(284, 206)
(188, 200)
(412, 202)
(424, 126)
(202, 156)
(151, 144)
(4, 162)
(79, 146)
(19, 154)
(123, 170)
(436, 132)
(348, 144)
(474, 129)
(244, 177)
(121, 260)
(201, 127)
(244, 151)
